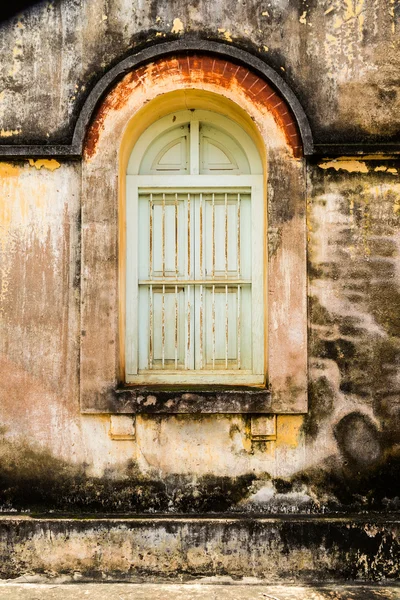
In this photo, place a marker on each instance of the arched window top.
(216, 144)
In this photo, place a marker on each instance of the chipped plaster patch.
(50, 164)
(303, 18)
(8, 170)
(351, 166)
(9, 132)
(177, 26)
(227, 34)
(385, 169)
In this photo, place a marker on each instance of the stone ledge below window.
(160, 401)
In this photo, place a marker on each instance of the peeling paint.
(385, 169)
(9, 132)
(177, 26)
(9, 170)
(351, 166)
(45, 163)
(227, 34)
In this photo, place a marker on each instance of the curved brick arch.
(199, 71)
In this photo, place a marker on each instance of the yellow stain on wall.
(9, 132)
(50, 164)
(177, 26)
(351, 166)
(227, 34)
(8, 170)
(385, 169)
(288, 430)
(303, 18)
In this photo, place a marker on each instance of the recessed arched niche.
(244, 130)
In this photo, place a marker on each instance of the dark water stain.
(31, 478)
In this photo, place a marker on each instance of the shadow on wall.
(7, 11)
(363, 475)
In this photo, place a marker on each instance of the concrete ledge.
(200, 590)
(285, 548)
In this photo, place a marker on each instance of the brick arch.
(197, 70)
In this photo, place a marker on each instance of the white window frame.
(254, 183)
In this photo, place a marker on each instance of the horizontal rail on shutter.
(196, 183)
(205, 282)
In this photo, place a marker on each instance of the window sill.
(158, 400)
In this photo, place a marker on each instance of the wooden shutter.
(195, 263)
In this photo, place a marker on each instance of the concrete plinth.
(273, 549)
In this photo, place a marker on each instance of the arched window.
(195, 254)
(193, 244)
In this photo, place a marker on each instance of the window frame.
(193, 181)
(108, 145)
(230, 378)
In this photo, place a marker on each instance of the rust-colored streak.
(197, 69)
(115, 100)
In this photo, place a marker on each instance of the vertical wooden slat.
(201, 235)
(201, 327)
(151, 317)
(176, 327)
(188, 345)
(194, 147)
(151, 237)
(189, 270)
(226, 327)
(213, 326)
(238, 235)
(163, 234)
(213, 235)
(176, 236)
(238, 326)
(163, 328)
(226, 236)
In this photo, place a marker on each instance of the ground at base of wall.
(232, 591)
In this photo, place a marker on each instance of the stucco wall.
(340, 59)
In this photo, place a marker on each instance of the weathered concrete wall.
(343, 454)
(340, 57)
(308, 549)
